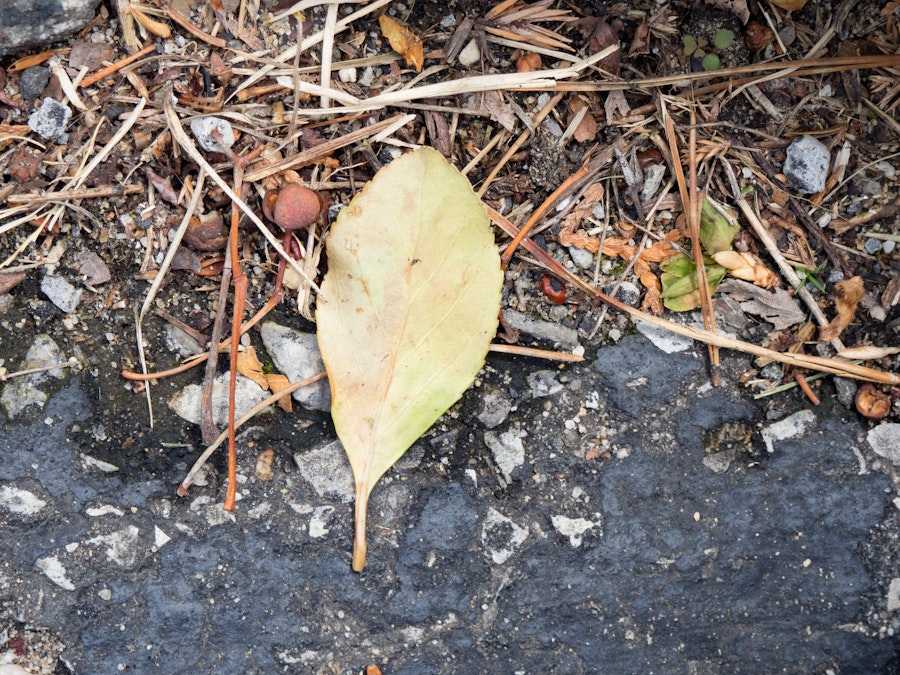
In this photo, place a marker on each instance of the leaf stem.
(359, 540)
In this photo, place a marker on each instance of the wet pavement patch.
(647, 560)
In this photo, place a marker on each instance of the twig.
(762, 233)
(514, 148)
(114, 67)
(72, 195)
(188, 146)
(225, 344)
(243, 419)
(834, 366)
(531, 352)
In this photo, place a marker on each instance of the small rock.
(470, 54)
(494, 409)
(556, 333)
(806, 166)
(845, 388)
(718, 462)
(32, 82)
(20, 502)
(790, 427)
(26, 23)
(180, 342)
(574, 528)
(327, 470)
(54, 570)
(61, 293)
(889, 246)
(297, 355)
(582, 258)
(160, 538)
(22, 392)
(318, 522)
(872, 246)
(186, 403)
(893, 595)
(627, 292)
(500, 536)
(49, 121)
(202, 128)
(508, 450)
(347, 75)
(543, 383)
(885, 441)
(665, 340)
(121, 546)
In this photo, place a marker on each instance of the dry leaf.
(29, 61)
(408, 308)
(91, 266)
(277, 383)
(867, 353)
(747, 266)
(403, 41)
(158, 28)
(248, 365)
(778, 307)
(847, 296)
(587, 127)
(790, 5)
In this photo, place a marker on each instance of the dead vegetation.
(603, 134)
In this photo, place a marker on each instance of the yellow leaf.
(407, 311)
(403, 41)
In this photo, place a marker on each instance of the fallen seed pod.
(553, 288)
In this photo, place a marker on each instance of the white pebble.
(203, 128)
(347, 74)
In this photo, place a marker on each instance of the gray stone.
(872, 246)
(500, 536)
(26, 23)
(50, 120)
(180, 342)
(627, 292)
(663, 339)
(846, 391)
(61, 293)
(543, 383)
(247, 394)
(508, 450)
(806, 166)
(21, 392)
(297, 355)
(203, 128)
(885, 441)
(582, 258)
(327, 470)
(494, 409)
(545, 330)
(32, 82)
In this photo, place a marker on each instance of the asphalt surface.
(618, 516)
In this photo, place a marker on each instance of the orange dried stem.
(115, 67)
(539, 213)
